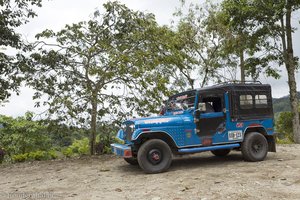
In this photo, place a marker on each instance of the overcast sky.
(55, 14)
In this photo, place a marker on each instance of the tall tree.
(291, 63)
(13, 14)
(199, 60)
(97, 67)
(272, 20)
(244, 38)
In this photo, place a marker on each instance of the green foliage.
(2, 154)
(283, 104)
(13, 15)
(62, 135)
(119, 49)
(245, 40)
(25, 140)
(284, 125)
(284, 141)
(196, 49)
(22, 135)
(78, 148)
(106, 136)
(35, 155)
(107, 150)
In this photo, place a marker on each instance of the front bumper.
(121, 150)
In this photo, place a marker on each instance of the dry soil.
(200, 176)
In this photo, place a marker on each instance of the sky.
(55, 14)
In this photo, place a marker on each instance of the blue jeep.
(220, 118)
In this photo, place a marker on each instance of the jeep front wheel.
(255, 147)
(154, 156)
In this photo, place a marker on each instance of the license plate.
(235, 135)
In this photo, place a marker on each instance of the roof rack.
(239, 82)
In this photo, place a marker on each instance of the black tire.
(154, 156)
(221, 152)
(132, 161)
(255, 147)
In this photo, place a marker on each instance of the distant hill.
(282, 104)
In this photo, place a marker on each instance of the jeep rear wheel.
(255, 147)
(154, 156)
(132, 161)
(221, 152)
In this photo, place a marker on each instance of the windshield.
(182, 101)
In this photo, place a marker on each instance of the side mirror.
(202, 107)
(162, 110)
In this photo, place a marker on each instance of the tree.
(272, 21)
(198, 46)
(245, 40)
(291, 63)
(109, 65)
(13, 15)
(197, 59)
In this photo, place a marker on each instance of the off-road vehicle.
(220, 118)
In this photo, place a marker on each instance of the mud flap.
(271, 143)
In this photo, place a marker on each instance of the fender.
(156, 134)
(255, 126)
(270, 138)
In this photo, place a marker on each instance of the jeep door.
(211, 122)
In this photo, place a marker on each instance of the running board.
(209, 148)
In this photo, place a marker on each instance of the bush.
(284, 126)
(20, 157)
(105, 138)
(2, 154)
(35, 155)
(78, 147)
(22, 135)
(284, 141)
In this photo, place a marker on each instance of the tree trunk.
(291, 69)
(242, 65)
(93, 125)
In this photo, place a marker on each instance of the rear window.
(246, 101)
(261, 101)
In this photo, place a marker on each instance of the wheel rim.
(257, 147)
(155, 156)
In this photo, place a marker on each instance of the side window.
(213, 104)
(261, 101)
(246, 101)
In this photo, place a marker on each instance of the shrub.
(68, 152)
(20, 157)
(78, 147)
(284, 141)
(22, 135)
(52, 154)
(284, 126)
(35, 155)
(2, 154)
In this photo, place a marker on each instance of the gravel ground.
(200, 176)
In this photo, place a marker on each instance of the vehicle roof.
(224, 87)
(237, 87)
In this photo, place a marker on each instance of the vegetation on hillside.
(23, 138)
(282, 104)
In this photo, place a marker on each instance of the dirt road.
(201, 176)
